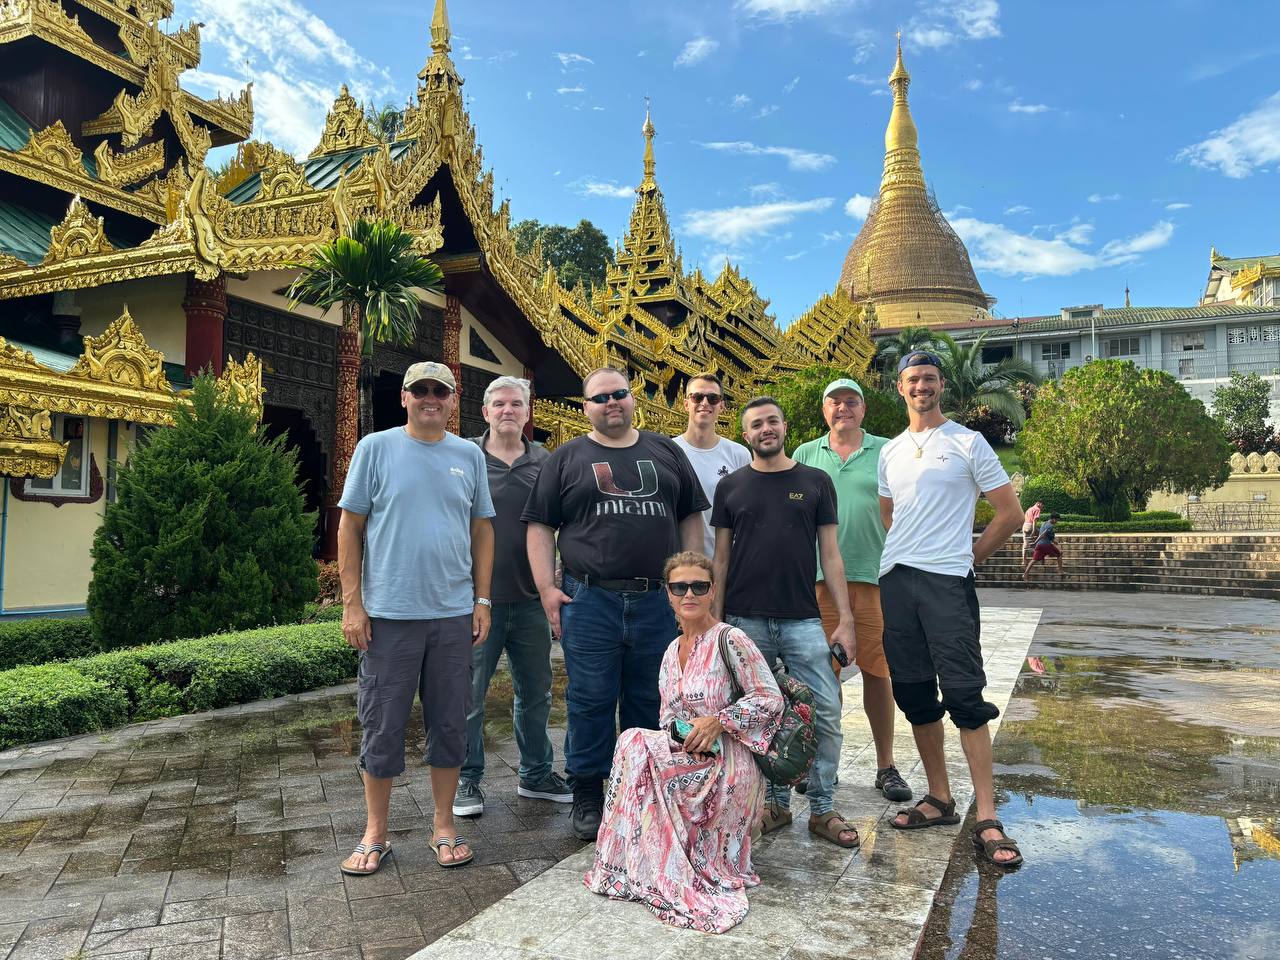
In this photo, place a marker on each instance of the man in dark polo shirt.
(519, 625)
(623, 500)
(768, 516)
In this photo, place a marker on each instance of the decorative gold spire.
(440, 28)
(902, 155)
(649, 184)
(440, 67)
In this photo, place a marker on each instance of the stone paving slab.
(815, 901)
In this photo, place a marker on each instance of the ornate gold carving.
(53, 146)
(122, 358)
(9, 262)
(27, 447)
(80, 234)
(121, 169)
(242, 382)
(345, 127)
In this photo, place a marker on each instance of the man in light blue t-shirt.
(415, 555)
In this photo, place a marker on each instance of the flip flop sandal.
(383, 850)
(918, 820)
(452, 844)
(821, 826)
(774, 818)
(987, 848)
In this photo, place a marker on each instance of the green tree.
(1242, 406)
(1118, 433)
(578, 253)
(891, 349)
(208, 531)
(374, 273)
(385, 122)
(973, 385)
(800, 395)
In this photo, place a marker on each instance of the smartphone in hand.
(837, 651)
(682, 728)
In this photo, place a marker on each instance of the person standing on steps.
(1046, 547)
(519, 623)
(713, 457)
(623, 500)
(1029, 524)
(851, 457)
(930, 477)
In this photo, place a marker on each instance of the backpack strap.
(722, 641)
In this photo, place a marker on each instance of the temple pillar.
(528, 427)
(453, 351)
(345, 426)
(206, 308)
(66, 319)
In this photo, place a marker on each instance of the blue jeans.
(613, 649)
(802, 645)
(521, 629)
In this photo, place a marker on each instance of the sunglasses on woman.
(680, 587)
(439, 391)
(606, 397)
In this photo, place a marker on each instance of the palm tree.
(891, 349)
(972, 384)
(385, 122)
(374, 273)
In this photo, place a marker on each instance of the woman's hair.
(688, 558)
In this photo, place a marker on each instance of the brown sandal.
(917, 819)
(775, 817)
(820, 824)
(987, 848)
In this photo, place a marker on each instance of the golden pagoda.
(906, 260)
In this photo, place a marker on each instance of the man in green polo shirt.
(851, 457)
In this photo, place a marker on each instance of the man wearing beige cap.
(415, 555)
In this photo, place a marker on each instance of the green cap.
(844, 383)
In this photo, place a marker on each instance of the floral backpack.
(794, 746)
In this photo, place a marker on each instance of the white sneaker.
(468, 801)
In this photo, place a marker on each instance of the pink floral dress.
(676, 830)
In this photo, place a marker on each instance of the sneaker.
(889, 782)
(551, 787)
(588, 807)
(468, 801)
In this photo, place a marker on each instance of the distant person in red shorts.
(1045, 546)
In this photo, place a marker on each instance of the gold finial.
(899, 74)
(649, 183)
(902, 156)
(1126, 296)
(440, 28)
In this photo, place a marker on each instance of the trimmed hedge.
(1127, 526)
(167, 679)
(1053, 493)
(39, 641)
(326, 613)
(1138, 516)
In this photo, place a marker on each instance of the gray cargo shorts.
(431, 658)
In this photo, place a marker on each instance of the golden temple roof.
(906, 250)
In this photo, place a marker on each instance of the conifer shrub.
(208, 532)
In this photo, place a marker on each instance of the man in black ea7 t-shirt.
(623, 501)
(767, 517)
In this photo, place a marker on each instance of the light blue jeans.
(802, 646)
(521, 629)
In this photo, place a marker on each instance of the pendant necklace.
(920, 446)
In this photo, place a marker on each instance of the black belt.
(636, 585)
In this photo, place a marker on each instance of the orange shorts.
(868, 625)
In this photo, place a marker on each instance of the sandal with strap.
(452, 844)
(917, 819)
(383, 850)
(775, 817)
(987, 848)
(820, 824)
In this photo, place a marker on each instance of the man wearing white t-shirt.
(713, 457)
(930, 477)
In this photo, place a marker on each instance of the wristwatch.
(484, 602)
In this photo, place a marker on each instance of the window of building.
(1235, 335)
(1187, 341)
(1121, 347)
(997, 352)
(1081, 314)
(1273, 292)
(1186, 368)
(1271, 333)
(1056, 351)
(73, 479)
(1255, 334)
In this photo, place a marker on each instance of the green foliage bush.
(209, 531)
(800, 395)
(54, 700)
(983, 513)
(1127, 526)
(43, 641)
(330, 587)
(1138, 516)
(321, 613)
(1052, 491)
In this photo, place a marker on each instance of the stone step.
(1051, 582)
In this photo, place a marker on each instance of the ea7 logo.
(648, 480)
(796, 496)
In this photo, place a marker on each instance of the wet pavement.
(1139, 767)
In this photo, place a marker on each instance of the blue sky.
(1076, 147)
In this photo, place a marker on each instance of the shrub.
(1127, 526)
(321, 613)
(1136, 517)
(983, 513)
(42, 641)
(330, 586)
(54, 700)
(208, 533)
(1053, 492)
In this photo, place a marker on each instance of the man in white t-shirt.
(930, 476)
(713, 457)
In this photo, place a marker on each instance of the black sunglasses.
(606, 397)
(712, 398)
(680, 588)
(439, 391)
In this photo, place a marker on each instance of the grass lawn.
(1009, 458)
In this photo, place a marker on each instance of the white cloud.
(865, 80)
(973, 85)
(740, 101)
(866, 45)
(1176, 206)
(794, 256)
(858, 206)
(568, 60)
(1078, 234)
(1103, 197)
(1019, 107)
(528, 94)
(993, 246)
(931, 37)
(785, 9)
(696, 50)
(591, 187)
(1244, 146)
(766, 110)
(831, 236)
(791, 84)
(765, 190)
(563, 90)
(1016, 209)
(734, 225)
(800, 160)
(943, 24)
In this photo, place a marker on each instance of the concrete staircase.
(1218, 564)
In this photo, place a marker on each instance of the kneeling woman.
(676, 832)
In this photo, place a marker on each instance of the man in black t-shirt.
(767, 517)
(623, 500)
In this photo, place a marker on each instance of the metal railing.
(1233, 515)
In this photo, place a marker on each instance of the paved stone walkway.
(815, 901)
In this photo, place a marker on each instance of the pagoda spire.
(440, 35)
(649, 183)
(901, 152)
(440, 65)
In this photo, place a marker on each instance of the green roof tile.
(1232, 264)
(24, 233)
(15, 132)
(1131, 316)
(322, 172)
